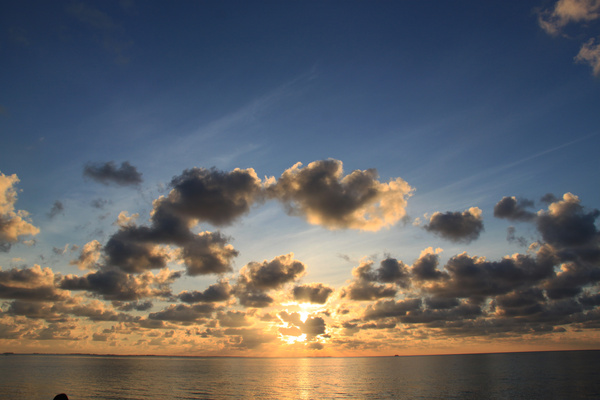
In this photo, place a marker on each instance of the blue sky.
(466, 102)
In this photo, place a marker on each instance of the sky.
(299, 178)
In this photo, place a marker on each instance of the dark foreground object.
(61, 396)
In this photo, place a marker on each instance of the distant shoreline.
(8, 354)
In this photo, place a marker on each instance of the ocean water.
(545, 375)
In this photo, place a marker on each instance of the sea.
(539, 375)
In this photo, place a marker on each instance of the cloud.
(124, 220)
(477, 278)
(113, 284)
(391, 308)
(566, 12)
(57, 208)
(311, 327)
(570, 12)
(425, 268)
(220, 291)
(183, 313)
(249, 338)
(132, 250)
(316, 293)
(511, 237)
(13, 224)
(392, 273)
(455, 226)
(197, 195)
(208, 253)
(99, 203)
(590, 54)
(107, 173)
(212, 196)
(514, 210)
(33, 284)
(89, 256)
(257, 278)
(323, 196)
(233, 319)
(566, 224)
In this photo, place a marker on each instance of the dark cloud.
(220, 291)
(113, 284)
(183, 313)
(133, 250)
(514, 210)
(391, 308)
(197, 195)
(107, 173)
(520, 303)
(456, 226)
(572, 279)
(32, 284)
(208, 253)
(212, 196)
(132, 305)
(34, 310)
(316, 293)
(425, 268)
(321, 194)
(233, 319)
(257, 278)
(369, 284)
(57, 208)
(271, 274)
(566, 224)
(477, 278)
(312, 326)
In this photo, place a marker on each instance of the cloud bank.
(125, 287)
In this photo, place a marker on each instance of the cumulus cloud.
(370, 284)
(566, 12)
(13, 223)
(426, 266)
(197, 195)
(183, 313)
(89, 256)
(316, 293)
(212, 196)
(456, 226)
(311, 327)
(114, 284)
(220, 291)
(124, 220)
(514, 210)
(233, 319)
(566, 223)
(255, 279)
(477, 278)
(33, 284)
(208, 253)
(108, 173)
(590, 54)
(324, 196)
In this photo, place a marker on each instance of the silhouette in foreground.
(61, 396)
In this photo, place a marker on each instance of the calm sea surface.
(547, 375)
